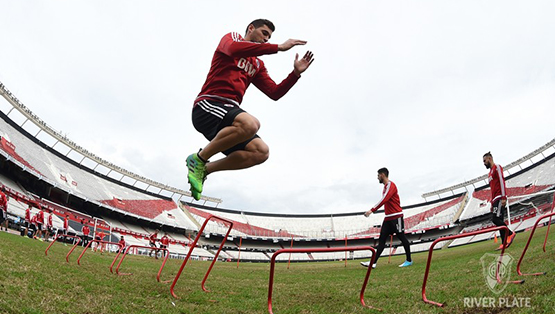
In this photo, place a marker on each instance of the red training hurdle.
(65, 236)
(528, 243)
(144, 247)
(192, 247)
(463, 235)
(105, 242)
(316, 250)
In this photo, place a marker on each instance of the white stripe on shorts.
(218, 112)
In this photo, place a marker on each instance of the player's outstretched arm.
(290, 43)
(301, 65)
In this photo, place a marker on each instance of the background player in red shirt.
(4, 209)
(164, 242)
(85, 230)
(216, 112)
(124, 245)
(393, 222)
(49, 225)
(27, 219)
(40, 223)
(152, 242)
(498, 197)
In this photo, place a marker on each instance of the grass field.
(31, 282)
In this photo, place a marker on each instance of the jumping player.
(216, 112)
(498, 198)
(393, 222)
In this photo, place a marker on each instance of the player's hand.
(301, 65)
(368, 213)
(290, 43)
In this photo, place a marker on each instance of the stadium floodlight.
(464, 235)
(192, 247)
(167, 253)
(320, 250)
(549, 215)
(65, 236)
(102, 242)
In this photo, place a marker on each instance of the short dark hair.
(260, 22)
(384, 171)
(488, 154)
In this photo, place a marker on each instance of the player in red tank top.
(216, 112)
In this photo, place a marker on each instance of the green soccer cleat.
(196, 195)
(197, 173)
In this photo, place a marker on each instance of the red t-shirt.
(153, 237)
(390, 200)
(34, 220)
(86, 230)
(40, 218)
(497, 183)
(3, 201)
(235, 65)
(50, 220)
(28, 215)
(122, 242)
(100, 235)
(66, 223)
(165, 241)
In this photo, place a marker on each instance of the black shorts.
(209, 117)
(395, 226)
(39, 226)
(152, 244)
(497, 210)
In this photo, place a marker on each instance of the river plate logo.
(491, 263)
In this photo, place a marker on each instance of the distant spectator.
(27, 220)
(164, 242)
(152, 242)
(49, 226)
(124, 245)
(3, 209)
(86, 231)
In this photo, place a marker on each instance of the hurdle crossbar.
(457, 236)
(104, 242)
(144, 247)
(192, 247)
(320, 250)
(65, 236)
(528, 244)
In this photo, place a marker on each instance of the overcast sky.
(421, 87)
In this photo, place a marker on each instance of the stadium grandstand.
(41, 167)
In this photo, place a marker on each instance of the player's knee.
(250, 128)
(262, 153)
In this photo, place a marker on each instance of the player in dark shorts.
(152, 242)
(498, 198)
(3, 209)
(216, 112)
(393, 222)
